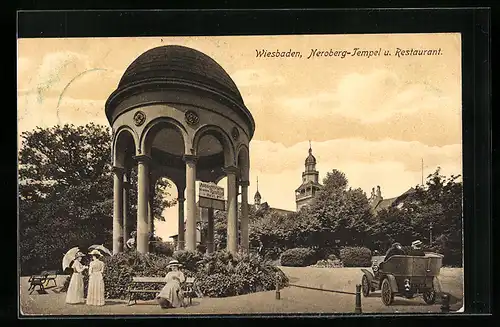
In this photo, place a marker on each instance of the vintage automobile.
(406, 276)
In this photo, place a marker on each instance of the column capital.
(143, 158)
(118, 170)
(244, 183)
(190, 158)
(231, 170)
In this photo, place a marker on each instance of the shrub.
(221, 274)
(189, 259)
(298, 257)
(328, 264)
(163, 248)
(356, 257)
(325, 253)
(218, 274)
(121, 267)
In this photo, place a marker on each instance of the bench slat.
(148, 279)
(144, 291)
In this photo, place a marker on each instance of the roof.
(307, 184)
(180, 62)
(386, 203)
(174, 67)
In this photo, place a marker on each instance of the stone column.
(150, 214)
(244, 216)
(181, 228)
(190, 201)
(142, 202)
(118, 210)
(232, 210)
(210, 231)
(126, 187)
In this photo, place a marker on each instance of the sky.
(374, 118)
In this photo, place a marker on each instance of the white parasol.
(101, 248)
(69, 257)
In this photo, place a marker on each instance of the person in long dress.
(171, 294)
(74, 294)
(95, 292)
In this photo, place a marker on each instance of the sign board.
(211, 203)
(211, 191)
(211, 196)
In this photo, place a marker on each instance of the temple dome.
(176, 67)
(181, 63)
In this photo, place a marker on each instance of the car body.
(406, 276)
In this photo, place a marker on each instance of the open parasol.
(101, 248)
(69, 257)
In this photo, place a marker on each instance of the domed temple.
(177, 114)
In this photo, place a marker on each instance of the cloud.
(369, 98)
(275, 157)
(252, 77)
(50, 112)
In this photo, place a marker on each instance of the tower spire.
(310, 147)
(257, 183)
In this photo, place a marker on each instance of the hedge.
(356, 257)
(298, 257)
(219, 274)
(121, 267)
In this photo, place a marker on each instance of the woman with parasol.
(95, 292)
(74, 294)
(171, 295)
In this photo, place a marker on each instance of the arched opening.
(164, 143)
(165, 210)
(215, 151)
(243, 163)
(124, 149)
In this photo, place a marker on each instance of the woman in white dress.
(171, 295)
(74, 294)
(95, 292)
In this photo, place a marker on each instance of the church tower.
(306, 192)
(257, 197)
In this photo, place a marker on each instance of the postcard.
(285, 174)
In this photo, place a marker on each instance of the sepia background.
(374, 119)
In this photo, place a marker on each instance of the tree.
(343, 213)
(438, 204)
(66, 192)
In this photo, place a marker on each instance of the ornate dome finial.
(310, 160)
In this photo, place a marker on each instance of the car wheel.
(387, 295)
(430, 296)
(365, 286)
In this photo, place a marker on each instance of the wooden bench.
(50, 275)
(42, 280)
(135, 288)
(37, 280)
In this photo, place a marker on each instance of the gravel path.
(293, 299)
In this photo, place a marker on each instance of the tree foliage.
(66, 193)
